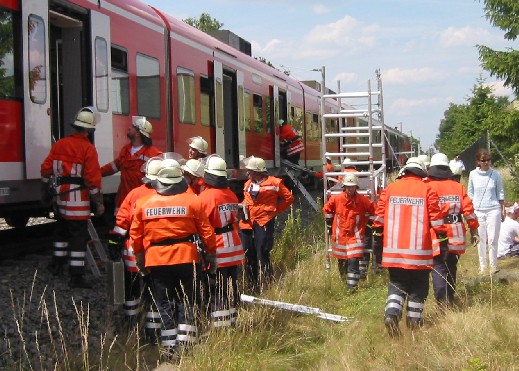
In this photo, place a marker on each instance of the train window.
(297, 119)
(246, 112)
(120, 82)
(257, 101)
(148, 86)
(101, 74)
(10, 86)
(186, 96)
(37, 60)
(206, 90)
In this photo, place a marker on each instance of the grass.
(478, 333)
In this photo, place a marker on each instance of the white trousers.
(489, 227)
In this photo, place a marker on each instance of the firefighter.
(425, 160)
(346, 216)
(221, 205)
(72, 167)
(197, 148)
(406, 211)
(119, 243)
(265, 197)
(194, 175)
(456, 206)
(347, 167)
(131, 158)
(164, 230)
(291, 143)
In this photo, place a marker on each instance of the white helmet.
(193, 167)
(140, 123)
(350, 179)
(425, 160)
(414, 162)
(255, 164)
(87, 117)
(347, 163)
(152, 167)
(199, 144)
(170, 172)
(439, 159)
(216, 166)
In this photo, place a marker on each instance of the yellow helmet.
(198, 143)
(255, 164)
(87, 117)
(140, 123)
(170, 172)
(216, 166)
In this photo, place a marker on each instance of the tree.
(502, 64)
(204, 23)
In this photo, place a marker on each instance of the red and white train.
(126, 58)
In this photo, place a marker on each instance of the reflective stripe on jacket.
(289, 136)
(350, 216)
(221, 206)
(75, 157)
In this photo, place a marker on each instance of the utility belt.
(60, 180)
(172, 241)
(453, 219)
(223, 230)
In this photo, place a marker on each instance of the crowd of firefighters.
(184, 235)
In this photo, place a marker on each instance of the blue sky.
(425, 49)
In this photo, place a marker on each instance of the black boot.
(391, 323)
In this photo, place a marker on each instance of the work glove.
(444, 246)
(474, 237)
(45, 195)
(115, 245)
(139, 258)
(97, 200)
(210, 263)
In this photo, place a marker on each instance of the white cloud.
(346, 77)
(320, 9)
(466, 36)
(410, 76)
(499, 89)
(405, 106)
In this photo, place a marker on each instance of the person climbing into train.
(346, 215)
(265, 197)
(119, 244)
(72, 176)
(291, 143)
(131, 158)
(165, 231)
(193, 171)
(221, 206)
(406, 213)
(198, 148)
(456, 207)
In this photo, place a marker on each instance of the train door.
(226, 114)
(36, 85)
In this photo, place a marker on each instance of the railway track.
(17, 242)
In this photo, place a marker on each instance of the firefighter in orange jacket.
(194, 175)
(346, 215)
(165, 230)
(120, 243)
(221, 205)
(265, 197)
(291, 143)
(406, 211)
(455, 205)
(131, 158)
(72, 168)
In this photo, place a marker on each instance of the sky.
(425, 49)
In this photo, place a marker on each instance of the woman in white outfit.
(485, 188)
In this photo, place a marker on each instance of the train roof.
(130, 9)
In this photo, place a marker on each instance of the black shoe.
(391, 323)
(56, 269)
(78, 282)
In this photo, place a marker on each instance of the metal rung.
(346, 135)
(362, 94)
(349, 111)
(352, 128)
(361, 145)
(340, 115)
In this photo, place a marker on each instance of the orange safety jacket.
(348, 217)
(454, 203)
(320, 174)
(163, 226)
(221, 206)
(272, 199)
(408, 209)
(197, 186)
(74, 164)
(130, 167)
(288, 136)
(123, 221)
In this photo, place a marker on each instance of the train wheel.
(17, 221)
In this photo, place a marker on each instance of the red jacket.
(123, 221)
(160, 220)
(454, 202)
(289, 137)
(130, 167)
(349, 217)
(73, 157)
(221, 206)
(273, 198)
(408, 209)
